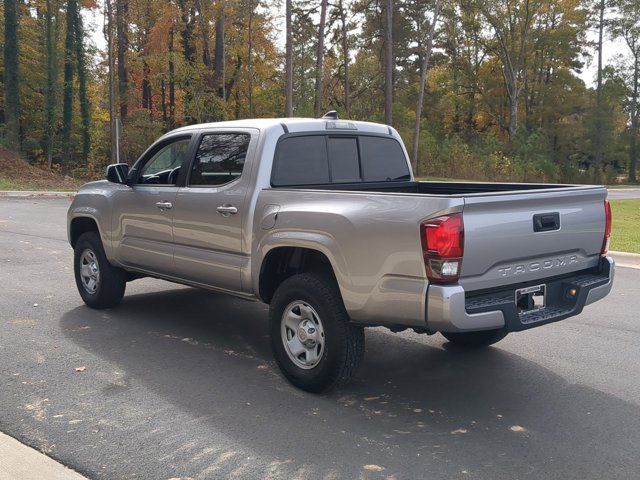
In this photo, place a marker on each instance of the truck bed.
(433, 188)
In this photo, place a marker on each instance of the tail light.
(607, 227)
(443, 247)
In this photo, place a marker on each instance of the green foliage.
(139, 131)
(625, 233)
(468, 129)
(11, 74)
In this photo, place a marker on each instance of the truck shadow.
(416, 409)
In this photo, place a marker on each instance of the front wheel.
(314, 343)
(100, 284)
(482, 338)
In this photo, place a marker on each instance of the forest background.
(478, 89)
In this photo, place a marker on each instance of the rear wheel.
(482, 338)
(314, 343)
(100, 284)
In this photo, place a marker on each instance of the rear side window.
(382, 159)
(301, 161)
(322, 159)
(220, 158)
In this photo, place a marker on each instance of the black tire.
(112, 280)
(343, 342)
(479, 339)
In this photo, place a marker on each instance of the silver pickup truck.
(323, 220)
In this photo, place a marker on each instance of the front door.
(143, 214)
(209, 211)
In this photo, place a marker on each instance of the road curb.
(21, 462)
(624, 259)
(34, 193)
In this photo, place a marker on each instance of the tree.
(598, 129)
(288, 90)
(204, 32)
(511, 22)
(220, 53)
(109, 32)
(11, 74)
(317, 102)
(51, 13)
(344, 41)
(69, 69)
(426, 56)
(122, 7)
(82, 85)
(388, 63)
(626, 25)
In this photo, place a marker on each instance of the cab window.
(164, 166)
(220, 159)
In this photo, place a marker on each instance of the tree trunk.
(204, 32)
(633, 138)
(249, 65)
(219, 54)
(163, 103)
(345, 58)
(146, 87)
(67, 101)
(11, 75)
(513, 96)
(388, 60)
(423, 80)
(186, 34)
(111, 60)
(85, 113)
(172, 85)
(288, 89)
(513, 112)
(52, 75)
(122, 7)
(597, 164)
(317, 103)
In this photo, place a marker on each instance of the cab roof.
(292, 125)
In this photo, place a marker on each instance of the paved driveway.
(619, 193)
(181, 383)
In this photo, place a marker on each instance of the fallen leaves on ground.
(373, 468)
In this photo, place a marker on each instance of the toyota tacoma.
(323, 220)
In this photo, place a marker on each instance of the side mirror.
(118, 172)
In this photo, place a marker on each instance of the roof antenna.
(331, 115)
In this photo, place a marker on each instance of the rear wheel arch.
(283, 262)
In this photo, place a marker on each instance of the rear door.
(210, 209)
(520, 237)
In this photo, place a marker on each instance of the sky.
(611, 48)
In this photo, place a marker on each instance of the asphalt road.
(620, 193)
(181, 383)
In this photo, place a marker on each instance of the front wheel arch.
(80, 225)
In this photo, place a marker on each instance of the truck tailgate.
(502, 246)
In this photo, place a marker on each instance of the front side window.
(220, 158)
(164, 166)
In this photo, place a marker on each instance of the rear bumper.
(451, 309)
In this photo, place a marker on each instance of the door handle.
(226, 210)
(164, 205)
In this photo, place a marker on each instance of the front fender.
(94, 201)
